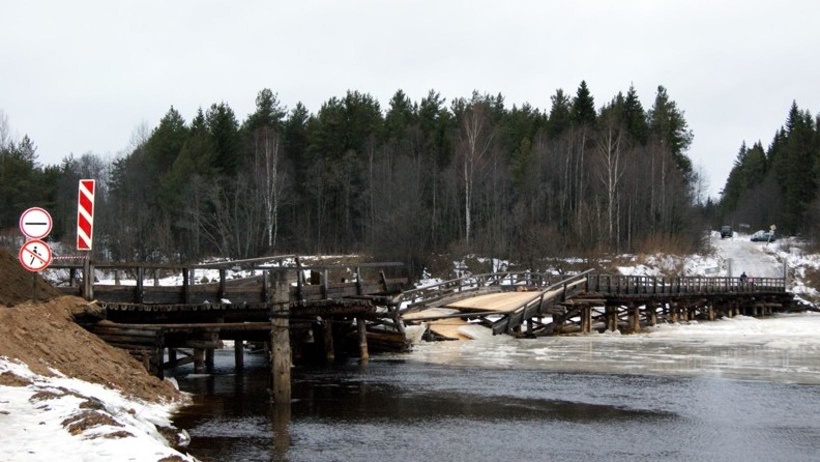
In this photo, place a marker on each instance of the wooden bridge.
(291, 309)
(297, 313)
(529, 305)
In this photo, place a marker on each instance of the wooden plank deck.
(498, 302)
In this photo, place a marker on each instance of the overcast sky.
(83, 76)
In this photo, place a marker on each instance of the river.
(742, 389)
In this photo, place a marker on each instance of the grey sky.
(83, 76)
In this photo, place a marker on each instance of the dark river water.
(733, 399)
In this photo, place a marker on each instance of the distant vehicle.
(764, 236)
(726, 231)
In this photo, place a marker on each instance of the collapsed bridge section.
(593, 301)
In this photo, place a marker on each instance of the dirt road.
(747, 256)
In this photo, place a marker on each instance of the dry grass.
(85, 420)
(670, 245)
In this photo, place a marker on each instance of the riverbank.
(65, 394)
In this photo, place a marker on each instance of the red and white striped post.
(85, 214)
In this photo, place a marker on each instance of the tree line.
(778, 184)
(411, 180)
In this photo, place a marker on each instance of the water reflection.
(280, 416)
(584, 399)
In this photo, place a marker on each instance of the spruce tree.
(583, 107)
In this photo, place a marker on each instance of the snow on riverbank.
(66, 419)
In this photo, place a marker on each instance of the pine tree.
(401, 114)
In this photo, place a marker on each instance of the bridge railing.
(640, 285)
(557, 292)
(250, 281)
(413, 298)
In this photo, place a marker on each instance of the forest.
(778, 184)
(412, 180)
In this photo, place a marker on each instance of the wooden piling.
(199, 360)
(280, 420)
(652, 315)
(239, 354)
(611, 318)
(364, 355)
(634, 316)
(586, 319)
(280, 356)
(280, 353)
(209, 359)
(88, 279)
(330, 354)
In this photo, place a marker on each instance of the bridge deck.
(603, 302)
(502, 302)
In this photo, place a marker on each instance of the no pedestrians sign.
(35, 255)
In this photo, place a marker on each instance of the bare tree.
(610, 172)
(269, 179)
(5, 130)
(475, 139)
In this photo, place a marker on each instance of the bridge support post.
(586, 319)
(280, 356)
(280, 353)
(611, 318)
(652, 314)
(199, 360)
(711, 312)
(330, 354)
(364, 355)
(673, 313)
(239, 354)
(88, 279)
(634, 315)
(209, 359)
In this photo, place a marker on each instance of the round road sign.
(35, 223)
(35, 255)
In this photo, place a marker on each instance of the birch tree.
(269, 179)
(610, 172)
(475, 140)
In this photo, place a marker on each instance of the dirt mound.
(19, 285)
(43, 335)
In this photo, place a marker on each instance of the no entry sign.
(35, 255)
(85, 215)
(35, 223)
